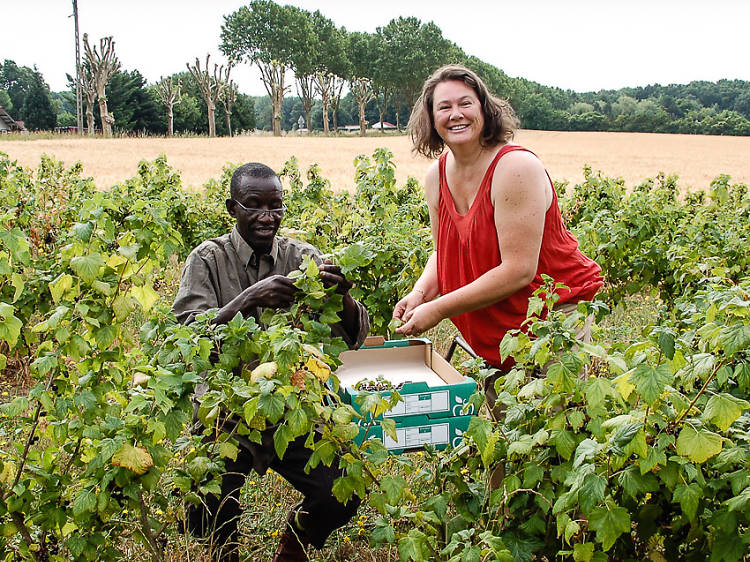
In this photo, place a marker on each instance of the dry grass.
(633, 156)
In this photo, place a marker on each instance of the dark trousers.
(319, 514)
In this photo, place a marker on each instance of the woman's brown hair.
(500, 120)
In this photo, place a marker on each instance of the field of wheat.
(697, 159)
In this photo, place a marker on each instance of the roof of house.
(386, 125)
(9, 121)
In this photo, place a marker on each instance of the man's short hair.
(249, 170)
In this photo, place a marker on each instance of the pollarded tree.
(169, 95)
(268, 35)
(88, 88)
(228, 98)
(103, 64)
(362, 56)
(211, 87)
(331, 64)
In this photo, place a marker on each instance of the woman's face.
(457, 113)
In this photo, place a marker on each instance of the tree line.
(320, 76)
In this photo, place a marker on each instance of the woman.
(495, 220)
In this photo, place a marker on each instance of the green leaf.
(666, 344)
(724, 409)
(84, 502)
(689, 497)
(10, 326)
(394, 487)
(650, 382)
(591, 491)
(229, 450)
(564, 442)
(271, 406)
(698, 445)
(122, 306)
(586, 450)
(609, 523)
(583, 552)
(17, 282)
(104, 336)
(60, 285)
(281, 439)
(87, 267)
(735, 337)
(135, 459)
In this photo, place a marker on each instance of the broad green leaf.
(666, 344)
(597, 389)
(698, 445)
(724, 409)
(394, 487)
(135, 459)
(564, 442)
(87, 267)
(609, 523)
(735, 337)
(650, 382)
(229, 450)
(122, 306)
(281, 439)
(591, 491)
(688, 496)
(583, 552)
(104, 336)
(60, 285)
(85, 501)
(586, 450)
(10, 326)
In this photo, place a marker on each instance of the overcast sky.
(582, 45)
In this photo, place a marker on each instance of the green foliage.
(630, 450)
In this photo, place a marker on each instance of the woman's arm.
(521, 196)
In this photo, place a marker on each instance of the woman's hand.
(421, 319)
(407, 304)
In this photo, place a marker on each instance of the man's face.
(254, 196)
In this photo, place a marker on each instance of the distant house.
(349, 128)
(386, 126)
(7, 123)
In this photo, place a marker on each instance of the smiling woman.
(495, 220)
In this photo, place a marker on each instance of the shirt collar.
(246, 253)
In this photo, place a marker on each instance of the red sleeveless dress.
(467, 247)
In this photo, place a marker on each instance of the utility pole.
(79, 96)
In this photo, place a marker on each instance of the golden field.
(697, 159)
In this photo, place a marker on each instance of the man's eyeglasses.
(258, 213)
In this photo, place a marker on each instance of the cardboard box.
(417, 431)
(429, 385)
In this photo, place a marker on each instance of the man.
(245, 271)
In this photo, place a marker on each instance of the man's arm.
(199, 292)
(354, 319)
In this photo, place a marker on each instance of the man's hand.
(331, 275)
(277, 291)
(421, 319)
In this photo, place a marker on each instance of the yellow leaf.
(318, 368)
(146, 296)
(135, 459)
(623, 385)
(264, 371)
(141, 379)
